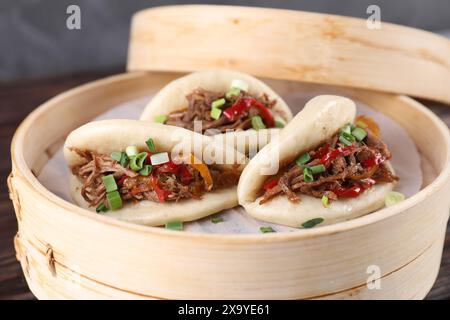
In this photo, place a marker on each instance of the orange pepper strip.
(204, 171)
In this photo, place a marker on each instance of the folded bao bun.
(107, 136)
(321, 117)
(173, 98)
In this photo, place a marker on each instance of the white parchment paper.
(405, 160)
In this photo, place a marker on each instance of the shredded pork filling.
(355, 169)
(160, 185)
(199, 109)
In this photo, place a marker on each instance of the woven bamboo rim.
(292, 45)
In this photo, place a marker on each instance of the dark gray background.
(34, 40)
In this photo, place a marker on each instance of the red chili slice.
(147, 159)
(270, 184)
(374, 161)
(333, 154)
(351, 192)
(355, 190)
(322, 151)
(185, 175)
(122, 180)
(244, 104)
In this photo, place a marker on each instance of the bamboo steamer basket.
(67, 252)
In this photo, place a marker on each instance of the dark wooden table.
(17, 100)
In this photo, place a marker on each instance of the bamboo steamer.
(67, 252)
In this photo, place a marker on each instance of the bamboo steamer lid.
(292, 45)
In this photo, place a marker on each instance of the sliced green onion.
(124, 159)
(307, 175)
(145, 171)
(116, 155)
(345, 141)
(359, 134)
(101, 208)
(393, 197)
(267, 229)
(159, 158)
(151, 145)
(233, 92)
(215, 113)
(325, 201)
(216, 219)
(161, 119)
(317, 169)
(239, 84)
(175, 225)
(257, 123)
(347, 129)
(346, 138)
(131, 151)
(114, 200)
(279, 122)
(218, 103)
(312, 223)
(303, 159)
(110, 183)
(137, 162)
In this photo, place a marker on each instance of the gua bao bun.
(321, 119)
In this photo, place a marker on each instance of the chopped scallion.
(101, 208)
(124, 159)
(218, 103)
(131, 151)
(393, 197)
(137, 162)
(159, 158)
(307, 175)
(233, 92)
(239, 84)
(110, 183)
(317, 169)
(325, 201)
(267, 229)
(215, 113)
(303, 159)
(359, 134)
(161, 119)
(216, 219)
(114, 200)
(346, 138)
(146, 170)
(347, 128)
(116, 155)
(279, 122)
(151, 145)
(312, 223)
(257, 123)
(345, 141)
(175, 225)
